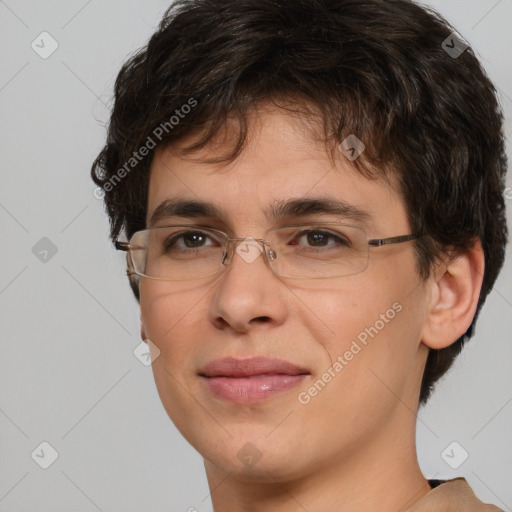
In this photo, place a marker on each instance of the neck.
(383, 476)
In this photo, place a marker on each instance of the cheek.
(170, 317)
(374, 324)
(369, 374)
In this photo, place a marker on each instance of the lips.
(231, 367)
(252, 380)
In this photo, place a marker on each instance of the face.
(342, 355)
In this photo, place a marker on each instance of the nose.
(248, 293)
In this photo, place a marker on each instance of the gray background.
(69, 325)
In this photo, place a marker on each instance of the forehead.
(283, 161)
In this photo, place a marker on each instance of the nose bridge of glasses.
(248, 248)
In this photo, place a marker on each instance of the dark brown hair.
(377, 69)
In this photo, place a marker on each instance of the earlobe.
(454, 297)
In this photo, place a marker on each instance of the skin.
(352, 447)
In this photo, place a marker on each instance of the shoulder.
(451, 495)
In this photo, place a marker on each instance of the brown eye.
(187, 240)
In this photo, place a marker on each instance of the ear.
(454, 292)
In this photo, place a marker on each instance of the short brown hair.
(377, 69)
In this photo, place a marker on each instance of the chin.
(255, 458)
(252, 465)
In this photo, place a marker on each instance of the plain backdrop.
(69, 324)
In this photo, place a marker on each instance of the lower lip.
(253, 389)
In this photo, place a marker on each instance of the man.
(312, 195)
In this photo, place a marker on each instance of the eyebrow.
(278, 211)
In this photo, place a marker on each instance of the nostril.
(260, 319)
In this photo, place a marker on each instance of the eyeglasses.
(305, 251)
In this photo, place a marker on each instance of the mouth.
(253, 380)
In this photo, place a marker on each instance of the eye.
(187, 240)
(321, 238)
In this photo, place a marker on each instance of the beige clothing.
(452, 496)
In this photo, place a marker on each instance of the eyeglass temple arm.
(393, 240)
(125, 246)
(122, 246)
